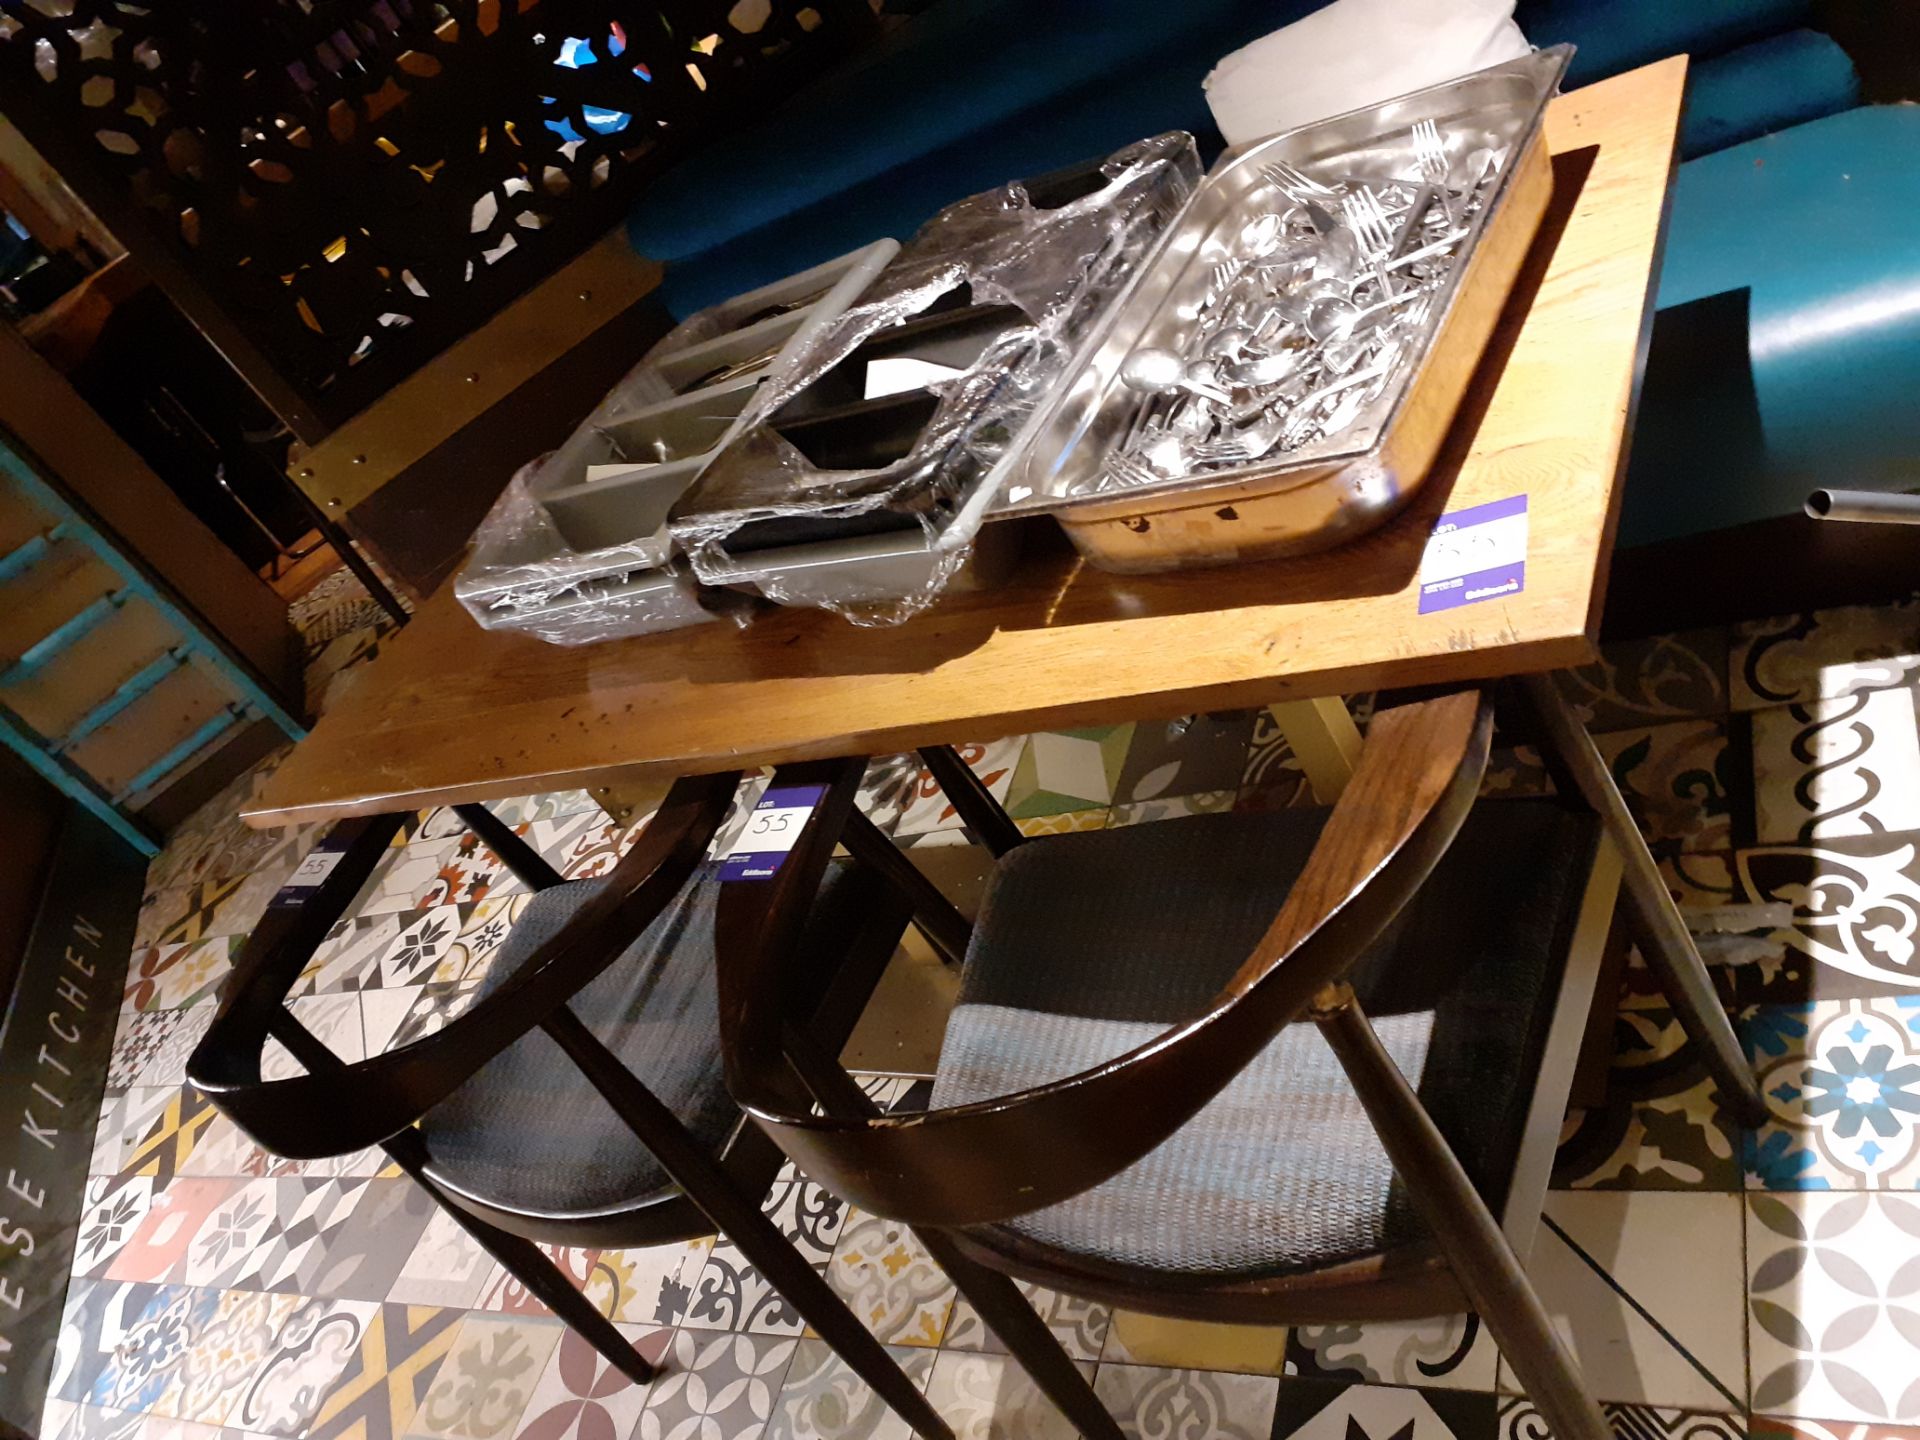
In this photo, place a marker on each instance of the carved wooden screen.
(336, 189)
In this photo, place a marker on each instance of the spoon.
(1154, 369)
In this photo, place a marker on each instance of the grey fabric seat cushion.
(528, 1133)
(1089, 945)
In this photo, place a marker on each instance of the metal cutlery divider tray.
(870, 504)
(1350, 480)
(572, 559)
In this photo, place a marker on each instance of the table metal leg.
(1651, 914)
(1325, 741)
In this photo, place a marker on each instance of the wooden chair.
(1125, 1110)
(580, 1100)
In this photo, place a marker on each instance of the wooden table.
(450, 712)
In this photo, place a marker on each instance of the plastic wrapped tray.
(871, 506)
(574, 560)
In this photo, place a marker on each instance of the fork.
(1370, 224)
(1129, 470)
(1430, 154)
(1296, 184)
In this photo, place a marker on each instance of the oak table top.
(449, 712)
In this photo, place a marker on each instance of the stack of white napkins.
(1355, 53)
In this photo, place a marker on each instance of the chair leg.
(741, 1220)
(1001, 1305)
(1652, 917)
(544, 1280)
(974, 802)
(939, 919)
(1487, 1268)
(1026, 1336)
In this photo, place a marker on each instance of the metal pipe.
(1882, 507)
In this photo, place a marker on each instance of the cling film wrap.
(1058, 266)
(522, 575)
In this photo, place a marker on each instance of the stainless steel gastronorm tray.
(1329, 491)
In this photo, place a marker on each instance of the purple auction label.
(1475, 554)
(309, 875)
(771, 832)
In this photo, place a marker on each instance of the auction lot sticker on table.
(1475, 554)
(771, 832)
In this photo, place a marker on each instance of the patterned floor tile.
(1174, 807)
(384, 1012)
(590, 845)
(224, 1245)
(360, 1258)
(227, 1351)
(1194, 753)
(349, 958)
(401, 1349)
(1068, 770)
(989, 1397)
(887, 1278)
(219, 1147)
(159, 1043)
(312, 1348)
(429, 873)
(1684, 782)
(125, 1117)
(1800, 658)
(1079, 1325)
(1845, 766)
(1150, 1403)
(484, 928)
(1830, 1322)
(447, 1266)
(333, 1020)
(1452, 1352)
(1515, 772)
(308, 1211)
(432, 1009)
(93, 1324)
(928, 811)
(1842, 1079)
(1137, 1339)
(1068, 822)
(167, 1144)
(171, 977)
(113, 1208)
(1654, 680)
(824, 1400)
(651, 1286)
(205, 909)
(1855, 912)
(1781, 1427)
(1660, 1128)
(157, 1249)
(889, 786)
(715, 1385)
(1606, 1264)
(153, 1349)
(163, 907)
(730, 1294)
(482, 1386)
(531, 809)
(503, 1293)
(582, 1396)
(1519, 1420)
(1271, 778)
(1345, 1410)
(808, 1214)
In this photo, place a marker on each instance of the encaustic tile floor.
(1712, 1281)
